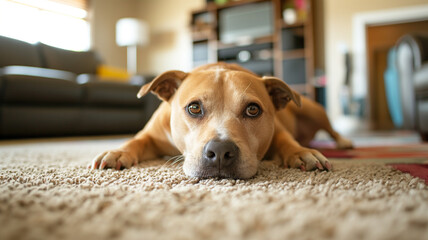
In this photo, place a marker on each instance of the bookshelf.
(287, 52)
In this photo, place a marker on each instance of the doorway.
(380, 39)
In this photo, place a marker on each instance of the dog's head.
(222, 120)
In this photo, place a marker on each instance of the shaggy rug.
(47, 192)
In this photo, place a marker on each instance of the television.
(246, 23)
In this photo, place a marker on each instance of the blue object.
(392, 88)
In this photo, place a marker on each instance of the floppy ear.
(164, 85)
(280, 92)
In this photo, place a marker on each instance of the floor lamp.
(130, 33)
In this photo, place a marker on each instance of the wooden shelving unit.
(288, 53)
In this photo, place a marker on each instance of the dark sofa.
(47, 91)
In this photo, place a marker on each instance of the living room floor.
(397, 148)
(47, 192)
(360, 136)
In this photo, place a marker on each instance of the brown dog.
(223, 119)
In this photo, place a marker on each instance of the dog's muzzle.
(219, 158)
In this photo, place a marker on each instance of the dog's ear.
(164, 85)
(280, 92)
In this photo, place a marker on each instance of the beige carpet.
(46, 192)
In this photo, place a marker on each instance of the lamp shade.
(131, 32)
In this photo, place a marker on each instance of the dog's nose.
(219, 153)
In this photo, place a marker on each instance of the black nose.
(220, 154)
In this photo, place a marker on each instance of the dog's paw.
(308, 159)
(344, 143)
(113, 159)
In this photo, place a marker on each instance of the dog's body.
(224, 119)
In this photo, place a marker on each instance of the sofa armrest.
(86, 77)
(137, 80)
(33, 85)
(38, 72)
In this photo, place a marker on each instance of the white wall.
(170, 46)
(103, 17)
(169, 23)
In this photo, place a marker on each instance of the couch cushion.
(39, 121)
(106, 94)
(15, 52)
(76, 62)
(95, 120)
(31, 85)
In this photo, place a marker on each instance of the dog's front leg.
(150, 143)
(129, 154)
(293, 155)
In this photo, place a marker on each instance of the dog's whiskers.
(169, 160)
(174, 161)
(178, 162)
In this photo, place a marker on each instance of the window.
(57, 23)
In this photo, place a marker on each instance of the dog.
(223, 120)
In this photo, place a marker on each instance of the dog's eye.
(252, 110)
(195, 109)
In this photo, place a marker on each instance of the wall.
(103, 16)
(169, 21)
(170, 45)
(338, 19)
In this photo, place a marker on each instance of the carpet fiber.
(47, 192)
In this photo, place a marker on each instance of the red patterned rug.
(409, 158)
